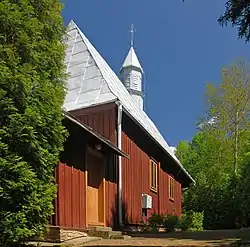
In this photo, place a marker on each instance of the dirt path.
(213, 238)
(162, 242)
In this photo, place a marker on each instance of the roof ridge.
(89, 45)
(95, 54)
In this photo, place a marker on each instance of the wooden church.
(143, 177)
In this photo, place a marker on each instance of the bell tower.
(132, 72)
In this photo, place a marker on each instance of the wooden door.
(95, 189)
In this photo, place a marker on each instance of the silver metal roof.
(132, 60)
(92, 82)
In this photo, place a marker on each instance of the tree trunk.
(236, 143)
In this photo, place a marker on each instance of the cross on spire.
(132, 31)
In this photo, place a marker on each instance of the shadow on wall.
(115, 215)
(111, 176)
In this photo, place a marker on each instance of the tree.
(206, 158)
(218, 155)
(229, 104)
(238, 13)
(32, 81)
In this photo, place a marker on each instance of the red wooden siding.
(103, 120)
(135, 171)
(135, 177)
(167, 205)
(111, 195)
(71, 208)
(177, 193)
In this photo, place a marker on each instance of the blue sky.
(180, 45)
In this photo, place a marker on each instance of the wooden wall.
(70, 203)
(102, 119)
(166, 204)
(135, 171)
(135, 176)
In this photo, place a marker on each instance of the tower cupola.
(131, 74)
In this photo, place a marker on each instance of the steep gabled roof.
(92, 82)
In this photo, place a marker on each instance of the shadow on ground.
(200, 236)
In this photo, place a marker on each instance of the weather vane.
(132, 31)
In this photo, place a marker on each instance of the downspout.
(119, 144)
(158, 186)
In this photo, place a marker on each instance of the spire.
(132, 31)
(132, 60)
(131, 73)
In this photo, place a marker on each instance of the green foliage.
(32, 82)
(216, 189)
(229, 105)
(156, 220)
(238, 14)
(218, 155)
(171, 222)
(191, 221)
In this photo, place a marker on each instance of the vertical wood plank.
(71, 197)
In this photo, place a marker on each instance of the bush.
(156, 220)
(191, 221)
(171, 222)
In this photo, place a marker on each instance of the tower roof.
(132, 60)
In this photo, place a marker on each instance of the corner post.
(119, 142)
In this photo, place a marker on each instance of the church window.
(153, 175)
(171, 188)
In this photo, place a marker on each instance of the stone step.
(99, 228)
(104, 232)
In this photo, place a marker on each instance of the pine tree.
(32, 81)
(237, 13)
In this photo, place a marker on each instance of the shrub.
(156, 220)
(171, 222)
(191, 221)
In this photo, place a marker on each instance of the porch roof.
(99, 137)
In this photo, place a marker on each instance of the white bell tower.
(131, 73)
